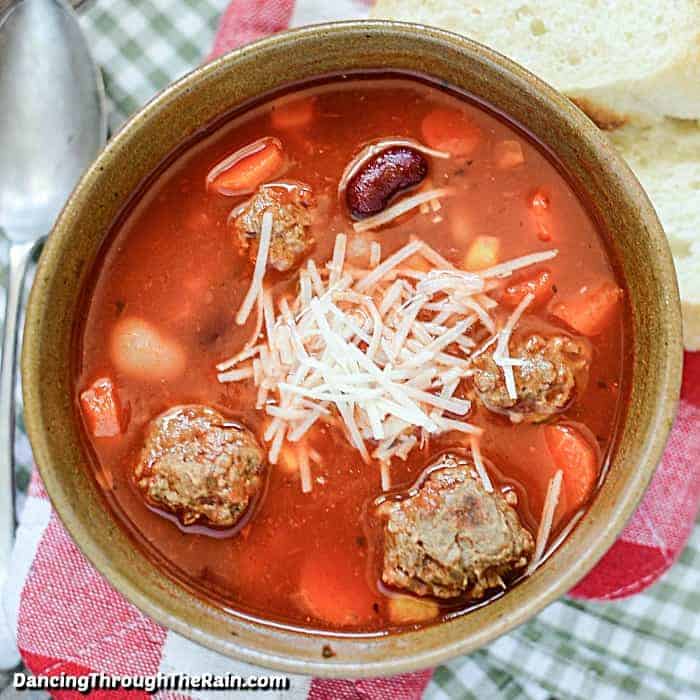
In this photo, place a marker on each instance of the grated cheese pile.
(379, 352)
(551, 502)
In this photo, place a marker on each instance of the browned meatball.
(452, 538)
(292, 211)
(199, 466)
(545, 383)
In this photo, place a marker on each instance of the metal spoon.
(52, 125)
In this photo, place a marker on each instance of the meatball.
(545, 382)
(199, 466)
(292, 209)
(451, 537)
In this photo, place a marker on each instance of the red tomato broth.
(173, 261)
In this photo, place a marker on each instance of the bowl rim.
(667, 383)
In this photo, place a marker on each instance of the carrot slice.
(450, 130)
(247, 168)
(577, 459)
(541, 286)
(102, 409)
(540, 207)
(591, 310)
(295, 114)
(482, 253)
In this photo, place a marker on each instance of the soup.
(353, 360)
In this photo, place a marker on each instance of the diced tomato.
(577, 459)
(540, 207)
(508, 154)
(482, 253)
(248, 168)
(450, 130)
(102, 409)
(540, 285)
(295, 114)
(591, 310)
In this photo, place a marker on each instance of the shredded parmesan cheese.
(385, 475)
(378, 353)
(244, 354)
(561, 536)
(508, 268)
(396, 210)
(336, 265)
(389, 264)
(543, 531)
(305, 470)
(375, 254)
(433, 257)
(235, 375)
(259, 270)
(500, 354)
(479, 464)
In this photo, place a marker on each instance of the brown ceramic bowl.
(616, 200)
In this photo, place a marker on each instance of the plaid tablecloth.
(644, 647)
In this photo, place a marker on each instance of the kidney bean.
(396, 169)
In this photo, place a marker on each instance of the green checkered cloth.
(644, 647)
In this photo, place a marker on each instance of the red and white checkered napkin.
(67, 619)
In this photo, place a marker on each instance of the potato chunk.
(140, 350)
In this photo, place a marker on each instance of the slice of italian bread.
(630, 65)
(666, 159)
(618, 59)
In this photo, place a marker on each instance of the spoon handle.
(19, 256)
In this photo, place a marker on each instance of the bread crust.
(604, 117)
(639, 103)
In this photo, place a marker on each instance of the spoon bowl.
(52, 125)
